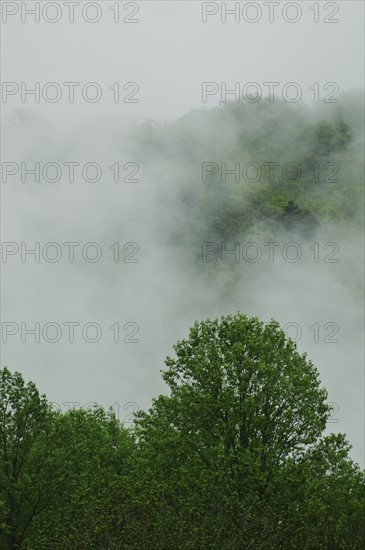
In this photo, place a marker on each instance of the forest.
(234, 454)
(233, 457)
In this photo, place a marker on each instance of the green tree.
(26, 433)
(246, 412)
(95, 451)
(233, 458)
(61, 474)
(294, 218)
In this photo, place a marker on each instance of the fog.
(163, 212)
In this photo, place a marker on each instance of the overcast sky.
(167, 53)
(170, 52)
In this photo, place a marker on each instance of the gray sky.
(168, 53)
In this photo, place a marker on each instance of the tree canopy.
(235, 457)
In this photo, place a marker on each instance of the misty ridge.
(258, 172)
(176, 203)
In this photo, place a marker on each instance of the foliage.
(309, 156)
(234, 457)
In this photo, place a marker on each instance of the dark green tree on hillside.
(294, 218)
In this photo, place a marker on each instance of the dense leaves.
(233, 458)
